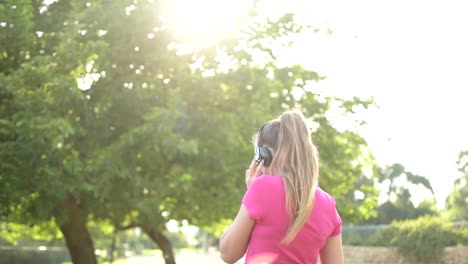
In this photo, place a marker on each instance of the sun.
(203, 22)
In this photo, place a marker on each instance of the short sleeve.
(336, 220)
(256, 198)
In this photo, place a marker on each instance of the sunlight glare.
(204, 22)
(172, 226)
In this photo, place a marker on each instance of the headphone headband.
(261, 152)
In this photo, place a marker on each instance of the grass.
(149, 252)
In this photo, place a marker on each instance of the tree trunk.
(79, 243)
(112, 249)
(163, 243)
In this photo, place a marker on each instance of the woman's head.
(295, 158)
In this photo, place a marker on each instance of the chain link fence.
(36, 255)
(361, 235)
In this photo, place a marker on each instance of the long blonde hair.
(296, 159)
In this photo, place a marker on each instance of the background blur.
(126, 126)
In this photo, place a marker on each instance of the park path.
(181, 258)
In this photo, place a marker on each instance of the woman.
(284, 217)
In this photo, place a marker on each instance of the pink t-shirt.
(266, 203)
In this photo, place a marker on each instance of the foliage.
(43, 234)
(385, 237)
(422, 239)
(456, 203)
(401, 206)
(403, 209)
(462, 234)
(101, 109)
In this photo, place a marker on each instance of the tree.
(103, 117)
(457, 200)
(399, 205)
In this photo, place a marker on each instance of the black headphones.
(262, 153)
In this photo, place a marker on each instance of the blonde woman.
(284, 217)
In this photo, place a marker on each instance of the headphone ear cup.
(265, 155)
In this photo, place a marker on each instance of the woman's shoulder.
(268, 181)
(263, 189)
(324, 197)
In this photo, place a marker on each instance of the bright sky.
(410, 56)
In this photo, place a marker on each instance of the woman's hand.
(255, 169)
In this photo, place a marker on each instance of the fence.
(36, 255)
(359, 235)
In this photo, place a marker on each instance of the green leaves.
(399, 204)
(16, 33)
(104, 107)
(456, 201)
(420, 240)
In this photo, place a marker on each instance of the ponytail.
(296, 159)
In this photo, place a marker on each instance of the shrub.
(462, 235)
(422, 240)
(384, 237)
